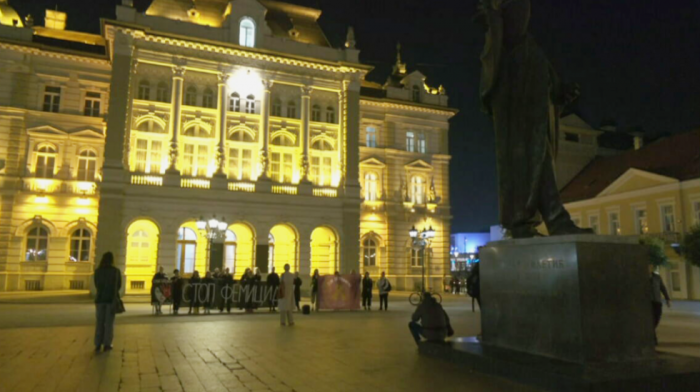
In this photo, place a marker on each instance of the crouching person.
(430, 321)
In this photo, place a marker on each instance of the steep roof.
(677, 157)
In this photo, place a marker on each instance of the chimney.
(55, 20)
(638, 142)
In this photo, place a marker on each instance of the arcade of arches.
(191, 250)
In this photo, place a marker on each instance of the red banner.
(340, 292)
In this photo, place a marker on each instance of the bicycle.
(417, 297)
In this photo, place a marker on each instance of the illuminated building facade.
(238, 109)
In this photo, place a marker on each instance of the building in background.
(652, 190)
(239, 110)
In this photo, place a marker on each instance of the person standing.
(657, 289)
(297, 290)
(208, 285)
(384, 287)
(226, 291)
(156, 293)
(108, 281)
(286, 297)
(273, 283)
(474, 285)
(314, 290)
(194, 289)
(176, 287)
(367, 292)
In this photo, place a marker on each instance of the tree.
(655, 250)
(691, 245)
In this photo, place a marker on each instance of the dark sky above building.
(637, 62)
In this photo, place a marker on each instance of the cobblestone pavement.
(49, 348)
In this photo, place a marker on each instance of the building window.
(52, 99)
(416, 258)
(281, 167)
(186, 249)
(371, 138)
(87, 164)
(277, 108)
(45, 161)
(234, 103)
(416, 93)
(410, 142)
(80, 245)
(144, 90)
(247, 33)
(208, 98)
(250, 104)
(37, 244)
(330, 115)
(417, 190)
(149, 156)
(162, 92)
(640, 221)
(316, 113)
(422, 147)
(195, 161)
(369, 252)
(230, 251)
(240, 163)
(291, 109)
(614, 223)
(371, 186)
(191, 96)
(668, 221)
(321, 168)
(93, 102)
(571, 137)
(594, 223)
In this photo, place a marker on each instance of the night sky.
(637, 62)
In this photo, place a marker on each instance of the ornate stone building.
(238, 109)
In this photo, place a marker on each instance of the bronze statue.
(521, 92)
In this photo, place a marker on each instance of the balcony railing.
(241, 186)
(52, 185)
(138, 179)
(325, 192)
(197, 183)
(285, 189)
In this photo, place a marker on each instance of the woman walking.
(108, 281)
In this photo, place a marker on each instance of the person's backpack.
(388, 286)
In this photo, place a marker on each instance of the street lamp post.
(212, 229)
(421, 243)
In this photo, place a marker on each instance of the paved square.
(48, 347)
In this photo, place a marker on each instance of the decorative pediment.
(635, 179)
(87, 133)
(373, 162)
(419, 165)
(46, 130)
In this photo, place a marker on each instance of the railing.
(325, 192)
(82, 187)
(138, 179)
(44, 185)
(284, 189)
(241, 186)
(197, 183)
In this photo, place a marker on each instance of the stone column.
(221, 106)
(265, 128)
(349, 141)
(176, 105)
(306, 132)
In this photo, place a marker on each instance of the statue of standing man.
(520, 91)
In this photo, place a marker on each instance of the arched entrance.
(283, 248)
(238, 254)
(191, 251)
(141, 255)
(324, 250)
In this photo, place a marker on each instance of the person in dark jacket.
(297, 290)
(108, 281)
(314, 290)
(158, 278)
(273, 284)
(194, 290)
(208, 287)
(367, 292)
(243, 283)
(434, 323)
(657, 289)
(176, 287)
(226, 291)
(474, 285)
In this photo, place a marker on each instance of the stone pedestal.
(580, 298)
